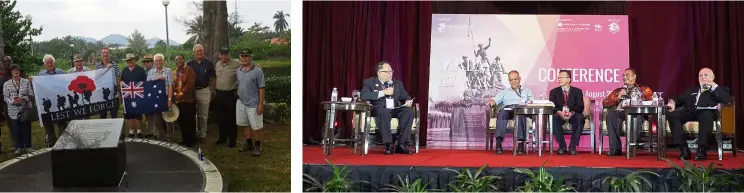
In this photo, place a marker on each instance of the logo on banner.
(597, 28)
(614, 27)
(442, 27)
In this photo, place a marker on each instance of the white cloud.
(99, 18)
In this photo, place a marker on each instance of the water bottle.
(334, 95)
(201, 155)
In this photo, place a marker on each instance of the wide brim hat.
(147, 58)
(77, 57)
(129, 57)
(172, 115)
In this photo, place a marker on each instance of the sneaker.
(18, 151)
(256, 151)
(246, 147)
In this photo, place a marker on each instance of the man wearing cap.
(249, 108)
(107, 63)
(147, 62)
(204, 84)
(227, 87)
(78, 65)
(51, 69)
(133, 73)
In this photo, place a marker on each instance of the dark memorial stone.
(89, 153)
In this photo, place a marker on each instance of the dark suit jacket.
(575, 99)
(707, 99)
(371, 88)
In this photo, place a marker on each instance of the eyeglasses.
(387, 72)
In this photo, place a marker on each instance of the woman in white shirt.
(17, 93)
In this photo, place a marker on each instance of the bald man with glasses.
(508, 98)
(699, 103)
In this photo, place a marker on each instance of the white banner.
(68, 96)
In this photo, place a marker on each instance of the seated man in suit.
(516, 95)
(389, 99)
(569, 106)
(617, 99)
(700, 104)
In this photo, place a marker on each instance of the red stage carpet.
(477, 158)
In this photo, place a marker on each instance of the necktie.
(565, 98)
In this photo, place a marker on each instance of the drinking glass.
(355, 95)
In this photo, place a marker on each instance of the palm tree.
(281, 23)
(196, 29)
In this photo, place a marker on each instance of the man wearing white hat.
(78, 65)
(133, 73)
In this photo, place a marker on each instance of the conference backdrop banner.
(471, 56)
(68, 96)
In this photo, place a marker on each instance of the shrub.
(277, 113)
(278, 89)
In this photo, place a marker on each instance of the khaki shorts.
(246, 116)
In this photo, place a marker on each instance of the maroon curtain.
(343, 41)
(669, 43)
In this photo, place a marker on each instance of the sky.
(99, 18)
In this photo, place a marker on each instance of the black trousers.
(51, 136)
(226, 121)
(615, 120)
(187, 122)
(405, 121)
(114, 112)
(577, 124)
(704, 117)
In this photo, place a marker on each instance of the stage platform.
(579, 170)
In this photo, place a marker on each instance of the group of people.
(237, 84)
(699, 103)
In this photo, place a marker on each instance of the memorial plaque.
(89, 153)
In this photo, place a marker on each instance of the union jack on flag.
(145, 96)
(132, 90)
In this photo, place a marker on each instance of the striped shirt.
(167, 74)
(11, 90)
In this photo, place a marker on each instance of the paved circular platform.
(152, 166)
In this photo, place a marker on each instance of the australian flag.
(144, 96)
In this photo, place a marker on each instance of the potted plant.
(632, 182)
(542, 181)
(467, 181)
(339, 181)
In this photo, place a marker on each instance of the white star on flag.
(160, 91)
(134, 104)
(154, 86)
(149, 94)
(156, 105)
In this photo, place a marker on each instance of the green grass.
(242, 172)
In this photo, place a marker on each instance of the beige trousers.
(203, 97)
